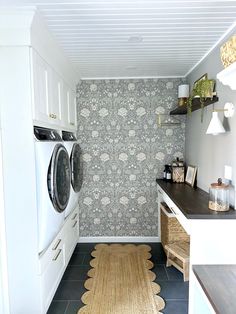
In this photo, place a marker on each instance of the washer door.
(76, 167)
(59, 178)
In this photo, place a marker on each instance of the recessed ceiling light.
(135, 39)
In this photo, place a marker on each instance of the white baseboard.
(118, 239)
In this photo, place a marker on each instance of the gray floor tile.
(77, 259)
(175, 290)
(57, 307)
(174, 274)
(87, 258)
(70, 290)
(176, 307)
(160, 272)
(73, 307)
(84, 247)
(76, 272)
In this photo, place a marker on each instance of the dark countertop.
(219, 284)
(193, 202)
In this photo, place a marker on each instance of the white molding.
(227, 76)
(118, 239)
(220, 41)
(130, 78)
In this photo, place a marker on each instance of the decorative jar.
(219, 196)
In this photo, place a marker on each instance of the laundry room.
(117, 157)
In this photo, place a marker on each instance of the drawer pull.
(172, 209)
(75, 223)
(71, 123)
(57, 255)
(74, 217)
(56, 245)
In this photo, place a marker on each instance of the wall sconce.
(183, 94)
(216, 127)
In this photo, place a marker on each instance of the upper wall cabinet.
(68, 107)
(52, 105)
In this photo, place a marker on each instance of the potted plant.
(202, 89)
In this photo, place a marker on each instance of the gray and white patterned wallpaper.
(124, 151)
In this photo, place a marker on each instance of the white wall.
(210, 153)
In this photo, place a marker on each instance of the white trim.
(220, 41)
(4, 288)
(118, 239)
(130, 78)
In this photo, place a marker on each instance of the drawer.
(51, 277)
(46, 258)
(175, 210)
(71, 234)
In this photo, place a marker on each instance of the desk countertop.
(193, 202)
(219, 284)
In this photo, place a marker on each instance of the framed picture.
(191, 175)
(203, 77)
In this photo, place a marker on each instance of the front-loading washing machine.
(76, 165)
(53, 179)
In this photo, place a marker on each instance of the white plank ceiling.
(136, 38)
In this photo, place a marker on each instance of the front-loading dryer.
(76, 165)
(53, 184)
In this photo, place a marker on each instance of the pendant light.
(215, 127)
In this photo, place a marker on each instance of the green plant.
(203, 89)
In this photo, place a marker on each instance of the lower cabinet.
(53, 262)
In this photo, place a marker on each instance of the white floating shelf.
(228, 76)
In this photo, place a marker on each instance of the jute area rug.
(121, 281)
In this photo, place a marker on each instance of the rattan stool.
(178, 256)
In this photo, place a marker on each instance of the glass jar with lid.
(219, 196)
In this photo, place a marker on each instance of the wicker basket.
(228, 52)
(171, 229)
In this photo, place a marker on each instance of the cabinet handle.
(71, 123)
(75, 224)
(55, 116)
(56, 245)
(57, 255)
(74, 217)
(172, 209)
(51, 115)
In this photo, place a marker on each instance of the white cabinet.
(54, 102)
(68, 108)
(71, 234)
(53, 262)
(51, 269)
(54, 97)
(72, 109)
(40, 88)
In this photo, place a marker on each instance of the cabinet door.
(54, 97)
(40, 88)
(72, 109)
(65, 105)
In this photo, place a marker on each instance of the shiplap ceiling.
(136, 38)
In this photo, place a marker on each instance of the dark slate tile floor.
(67, 299)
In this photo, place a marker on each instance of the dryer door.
(59, 178)
(76, 167)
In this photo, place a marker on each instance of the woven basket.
(171, 229)
(228, 52)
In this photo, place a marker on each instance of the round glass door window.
(59, 178)
(76, 167)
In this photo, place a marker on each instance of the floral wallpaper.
(124, 151)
